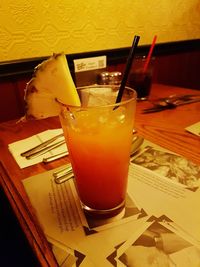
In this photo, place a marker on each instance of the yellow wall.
(34, 28)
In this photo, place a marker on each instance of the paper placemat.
(168, 225)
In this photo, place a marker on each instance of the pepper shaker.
(106, 77)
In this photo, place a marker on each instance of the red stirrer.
(149, 54)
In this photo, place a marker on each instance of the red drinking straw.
(149, 54)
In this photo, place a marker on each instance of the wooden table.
(166, 128)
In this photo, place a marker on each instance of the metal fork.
(172, 102)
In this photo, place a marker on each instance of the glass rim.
(134, 97)
(143, 57)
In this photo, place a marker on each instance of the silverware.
(54, 157)
(136, 144)
(158, 108)
(41, 146)
(63, 175)
(45, 150)
(66, 173)
(172, 102)
(62, 171)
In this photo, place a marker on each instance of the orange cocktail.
(99, 138)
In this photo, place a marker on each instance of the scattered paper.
(174, 192)
(163, 225)
(155, 244)
(194, 128)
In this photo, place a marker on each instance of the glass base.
(103, 214)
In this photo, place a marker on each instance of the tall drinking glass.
(141, 80)
(99, 136)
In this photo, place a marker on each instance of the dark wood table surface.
(166, 128)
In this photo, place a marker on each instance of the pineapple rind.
(52, 83)
(40, 104)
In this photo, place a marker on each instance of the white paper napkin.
(18, 147)
(194, 128)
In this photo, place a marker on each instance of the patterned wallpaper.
(34, 28)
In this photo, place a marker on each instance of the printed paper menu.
(171, 183)
(161, 210)
(58, 210)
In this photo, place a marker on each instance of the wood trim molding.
(10, 69)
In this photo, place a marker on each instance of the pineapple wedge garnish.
(52, 83)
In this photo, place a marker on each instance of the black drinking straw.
(128, 67)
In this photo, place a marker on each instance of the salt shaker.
(109, 77)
